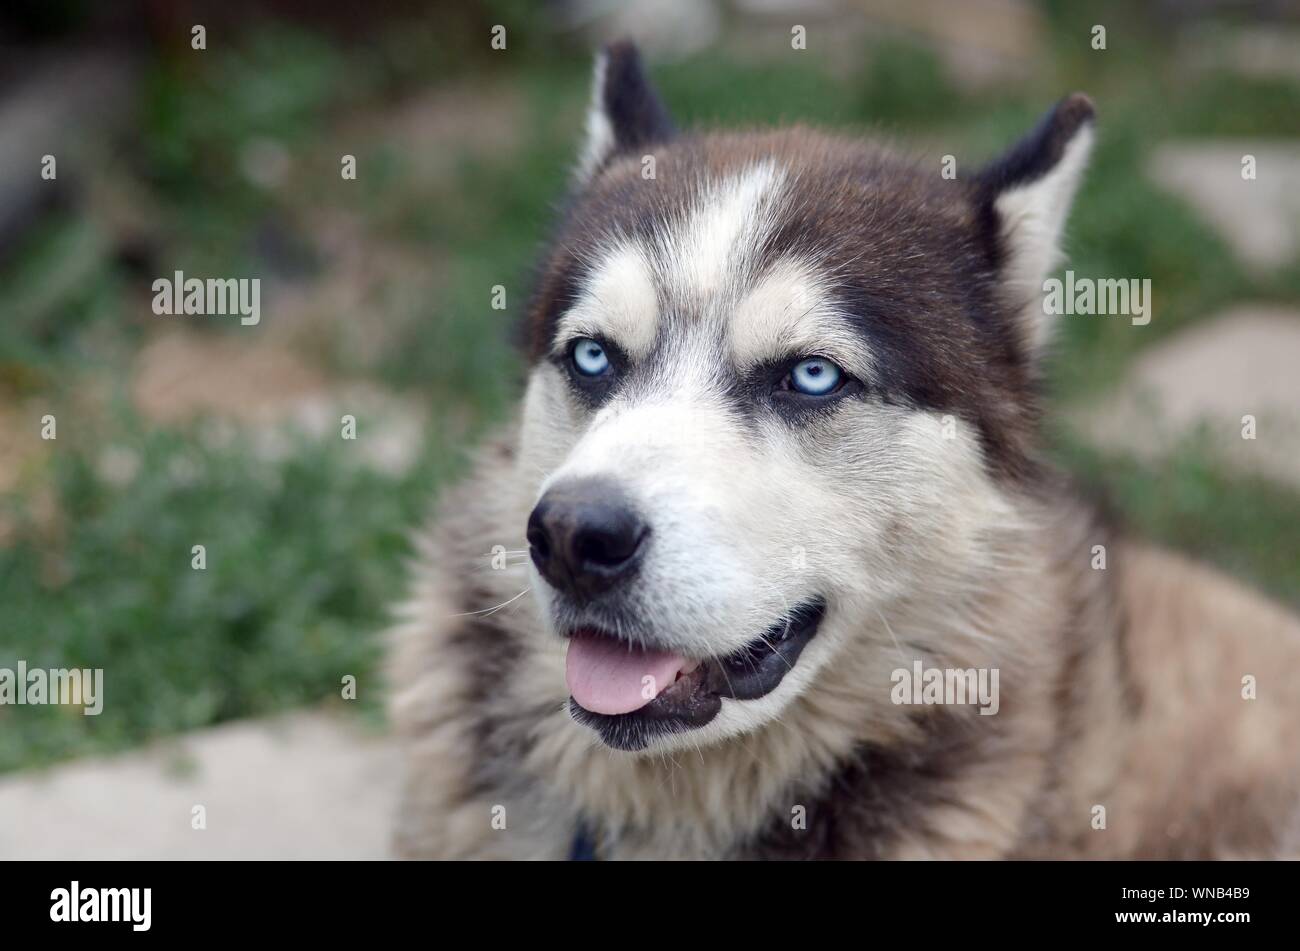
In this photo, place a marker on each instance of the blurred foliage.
(302, 556)
(305, 552)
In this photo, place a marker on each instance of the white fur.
(716, 246)
(1033, 219)
(599, 140)
(859, 508)
(618, 302)
(887, 511)
(789, 312)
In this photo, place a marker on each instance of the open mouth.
(630, 695)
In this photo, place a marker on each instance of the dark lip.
(696, 698)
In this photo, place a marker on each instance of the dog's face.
(779, 381)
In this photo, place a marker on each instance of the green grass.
(304, 554)
(303, 557)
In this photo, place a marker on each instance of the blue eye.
(589, 357)
(815, 377)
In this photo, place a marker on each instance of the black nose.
(584, 536)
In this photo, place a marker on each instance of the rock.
(1243, 363)
(1259, 218)
(265, 390)
(54, 106)
(303, 786)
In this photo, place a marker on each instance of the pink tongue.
(608, 676)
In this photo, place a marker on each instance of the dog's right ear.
(626, 115)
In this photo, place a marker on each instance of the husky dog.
(776, 462)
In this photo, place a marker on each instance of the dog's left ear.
(626, 115)
(1026, 196)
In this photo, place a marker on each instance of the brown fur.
(891, 226)
(1123, 689)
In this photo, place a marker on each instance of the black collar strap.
(583, 846)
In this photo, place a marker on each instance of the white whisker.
(486, 611)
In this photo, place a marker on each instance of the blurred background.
(376, 302)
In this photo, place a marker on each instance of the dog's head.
(779, 380)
